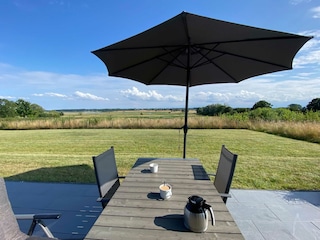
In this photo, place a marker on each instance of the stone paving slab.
(76, 202)
(259, 214)
(276, 214)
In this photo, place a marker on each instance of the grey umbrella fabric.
(190, 50)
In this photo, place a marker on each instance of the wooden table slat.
(141, 196)
(103, 233)
(136, 212)
(144, 212)
(174, 221)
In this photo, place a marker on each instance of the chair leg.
(32, 227)
(42, 225)
(224, 199)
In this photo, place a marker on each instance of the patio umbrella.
(191, 50)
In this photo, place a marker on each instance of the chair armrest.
(101, 199)
(37, 216)
(225, 195)
(211, 174)
(47, 216)
(37, 219)
(24, 216)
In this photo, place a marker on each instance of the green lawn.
(265, 161)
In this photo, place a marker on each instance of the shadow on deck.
(259, 214)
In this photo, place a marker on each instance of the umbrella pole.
(185, 127)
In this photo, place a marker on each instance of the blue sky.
(45, 52)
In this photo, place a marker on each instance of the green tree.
(36, 110)
(261, 104)
(314, 105)
(214, 110)
(295, 107)
(263, 113)
(23, 108)
(7, 108)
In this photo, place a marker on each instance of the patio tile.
(298, 212)
(251, 211)
(259, 214)
(254, 196)
(287, 230)
(316, 223)
(276, 214)
(76, 202)
(312, 197)
(249, 230)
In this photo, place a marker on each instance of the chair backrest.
(9, 228)
(225, 170)
(106, 173)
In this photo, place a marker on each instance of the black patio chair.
(9, 227)
(224, 175)
(107, 177)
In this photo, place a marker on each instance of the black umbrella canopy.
(190, 50)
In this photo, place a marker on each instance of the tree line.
(24, 109)
(219, 109)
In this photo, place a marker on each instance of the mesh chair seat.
(107, 177)
(225, 171)
(9, 227)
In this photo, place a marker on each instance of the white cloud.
(230, 97)
(134, 93)
(77, 95)
(304, 75)
(316, 12)
(296, 2)
(7, 97)
(32, 5)
(314, 33)
(5, 66)
(50, 94)
(278, 92)
(310, 52)
(61, 91)
(11, 75)
(89, 96)
(312, 57)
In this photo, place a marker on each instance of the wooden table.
(135, 211)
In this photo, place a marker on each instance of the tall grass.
(302, 130)
(307, 131)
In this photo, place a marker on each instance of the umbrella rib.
(199, 44)
(251, 58)
(204, 56)
(168, 63)
(225, 72)
(175, 58)
(139, 48)
(253, 40)
(222, 53)
(147, 60)
(231, 54)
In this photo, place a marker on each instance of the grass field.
(307, 130)
(265, 161)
